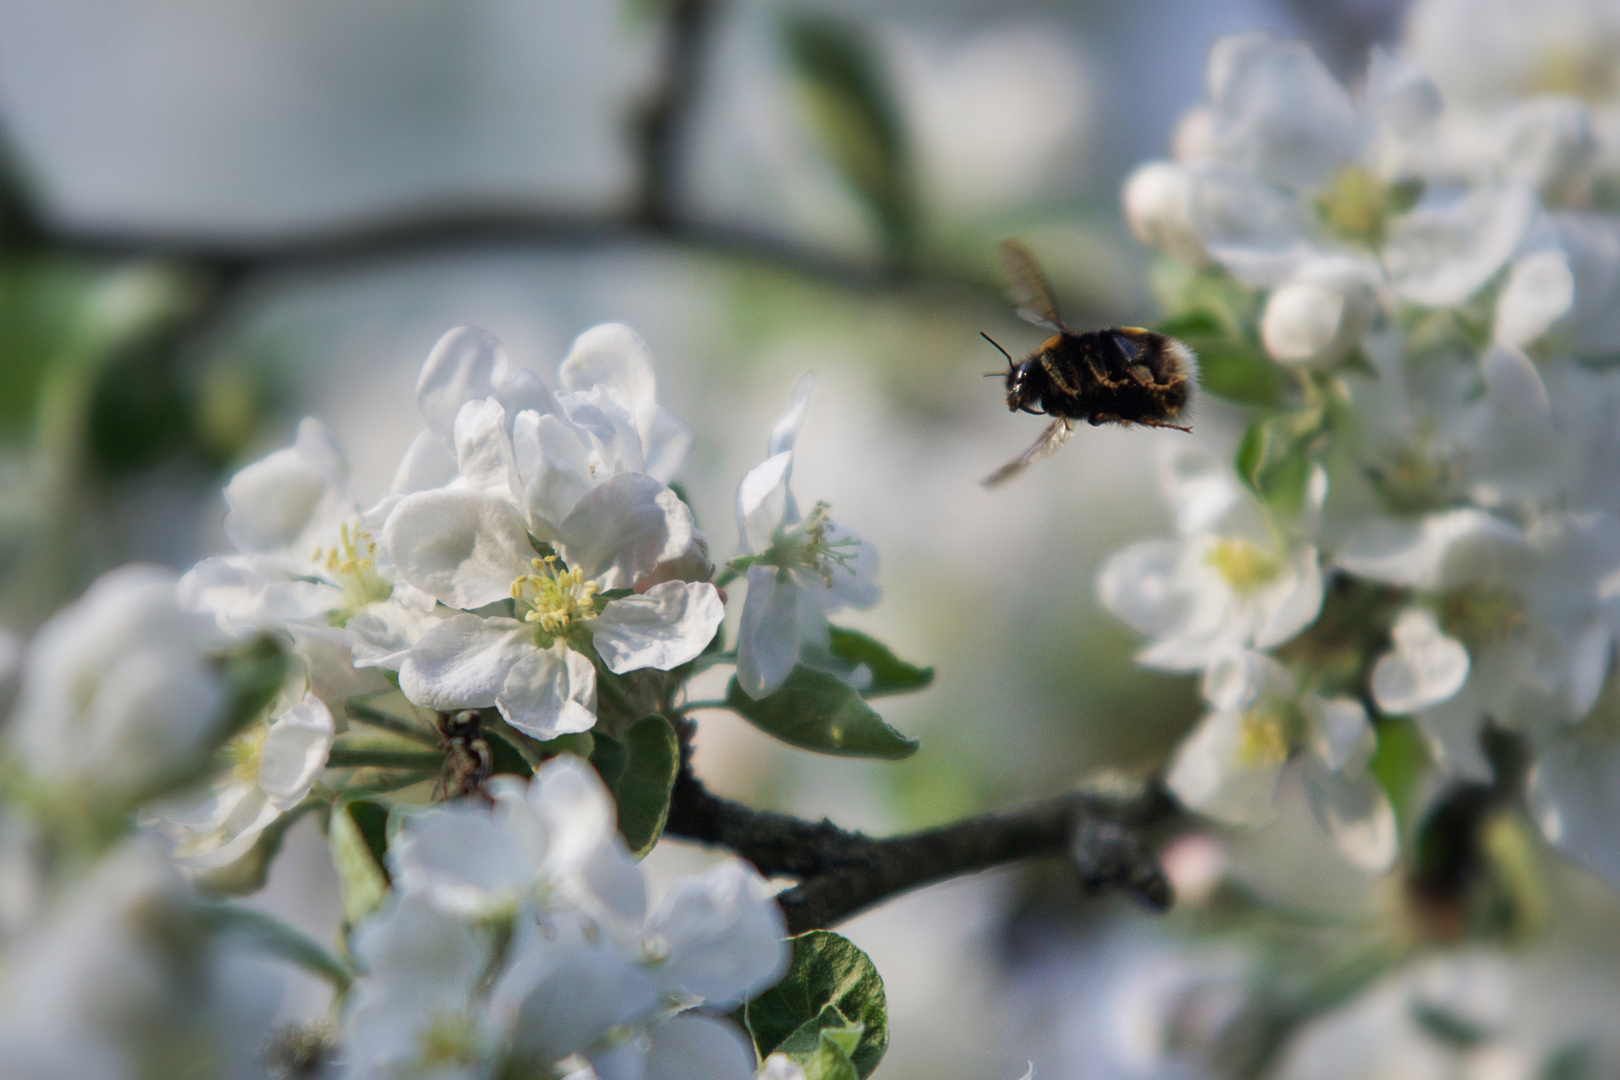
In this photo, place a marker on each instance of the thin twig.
(841, 873)
(667, 113)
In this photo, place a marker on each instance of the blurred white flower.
(272, 767)
(118, 692)
(1231, 581)
(1320, 313)
(1425, 668)
(800, 569)
(1230, 766)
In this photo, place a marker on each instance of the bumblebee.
(1121, 375)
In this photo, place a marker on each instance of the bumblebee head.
(1020, 393)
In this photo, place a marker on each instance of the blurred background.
(218, 216)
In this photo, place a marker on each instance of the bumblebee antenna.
(1011, 363)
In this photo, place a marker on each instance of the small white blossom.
(1230, 582)
(800, 568)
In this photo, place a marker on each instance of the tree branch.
(842, 873)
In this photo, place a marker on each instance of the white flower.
(117, 690)
(1425, 668)
(469, 549)
(1230, 766)
(799, 568)
(1158, 203)
(689, 1046)
(273, 766)
(1320, 313)
(1230, 582)
(549, 841)
(414, 1012)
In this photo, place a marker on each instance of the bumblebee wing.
(1052, 439)
(1030, 290)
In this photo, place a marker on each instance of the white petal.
(785, 432)
(1515, 383)
(1439, 551)
(460, 858)
(695, 1047)
(671, 441)
(1278, 112)
(555, 467)
(379, 635)
(1141, 586)
(469, 364)
(1443, 252)
(585, 854)
(1200, 489)
(1540, 289)
(768, 638)
(329, 666)
(549, 692)
(1212, 774)
(613, 357)
(1574, 793)
(462, 662)
(275, 502)
(1237, 680)
(624, 528)
(1158, 206)
(294, 752)
(462, 548)
(1342, 737)
(1355, 813)
(1289, 604)
(724, 933)
(1425, 668)
(484, 456)
(663, 628)
(1400, 95)
(424, 466)
(764, 504)
(1255, 230)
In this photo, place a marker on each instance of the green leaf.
(816, 710)
(850, 104)
(358, 838)
(640, 771)
(1228, 367)
(890, 674)
(276, 937)
(830, 986)
(1275, 455)
(504, 757)
(825, 1054)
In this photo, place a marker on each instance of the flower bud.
(1158, 205)
(1315, 319)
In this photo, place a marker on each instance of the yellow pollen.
(554, 600)
(448, 1039)
(352, 562)
(244, 752)
(1264, 740)
(1244, 564)
(1354, 205)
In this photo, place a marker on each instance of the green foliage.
(1275, 455)
(1399, 763)
(851, 107)
(1229, 366)
(640, 771)
(816, 710)
(358, 834)
(277, 938)
(823, 1052)
(248, 874)
(830, 999)
(890, 674)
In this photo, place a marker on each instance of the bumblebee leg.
(1141, 374)
(1161, 423)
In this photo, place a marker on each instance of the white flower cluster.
(519, 936)
(528, 550)
(1430, 272)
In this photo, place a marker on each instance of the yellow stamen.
(1245, 565)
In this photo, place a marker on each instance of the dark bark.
(842, 873)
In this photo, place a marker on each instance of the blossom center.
(351, 564)
(448, 1039)
(244, 751)
(1476, 616)
(552, 600)
(1577, 72)
(1356, 205)
(1263, 739)
(807, 546)
(1243, 564)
